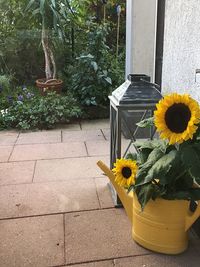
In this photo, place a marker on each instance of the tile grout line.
(80, 124)
(55, 213)
(106, 259)
(85, 156)
(64, 245)
(103, 134)
(44, 143)
(61, 136)
(34, 168)
(13, 147)
(17, 138)
(51, 181)
(86, 148)
(97, 193)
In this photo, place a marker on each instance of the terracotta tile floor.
(56, 209)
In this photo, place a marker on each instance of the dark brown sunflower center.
(177, 117)
(126, 172)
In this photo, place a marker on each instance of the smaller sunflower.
(125, 172)
(176, 117)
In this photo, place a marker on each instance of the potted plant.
(48, 11)
(157, 184)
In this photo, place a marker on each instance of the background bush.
(86, 59)
(39, 112)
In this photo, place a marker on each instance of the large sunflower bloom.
(176, 117)
(125, 172)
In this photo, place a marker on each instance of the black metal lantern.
(131, 102)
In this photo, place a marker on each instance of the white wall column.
(129, 37)
(141, 36)
(181, 55)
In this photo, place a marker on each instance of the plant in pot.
(158, 183)
(49, 13)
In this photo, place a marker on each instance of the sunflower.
(176, 117)
(125, 172)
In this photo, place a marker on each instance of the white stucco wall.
(181, 55)
(141, 36)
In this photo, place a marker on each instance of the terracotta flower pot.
(49, 85)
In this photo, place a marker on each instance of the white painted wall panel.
(141, 36)
(181, 55)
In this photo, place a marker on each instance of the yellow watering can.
(163, 224)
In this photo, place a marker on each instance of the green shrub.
(10, 94)
(96, 72)
(91, 83)
(5, 83)
(39, 112)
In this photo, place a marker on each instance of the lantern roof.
(137, 89)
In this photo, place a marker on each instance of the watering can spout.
(126, 198)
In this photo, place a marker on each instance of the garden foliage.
(85, 52)
(30, 111)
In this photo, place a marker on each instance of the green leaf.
(153, 157)
(151, 144)
(143, 155)
(131, 188)
(94, 65)
(144, 194)
(191, 159)
(36, 11)
(183, 181)
(195, 173)
(53, 3)
(146, 123)
(132, 156)
(42, 2)
(189, 156)
(191, 194)
(161, 167)
(181, 195)
(108, 80)
(31, 2)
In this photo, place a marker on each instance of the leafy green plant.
(9, 93)
(96, 71)
(49, 12)
(91, 84)
(40, 112)
(5, 83)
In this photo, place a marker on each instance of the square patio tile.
(98, 235)
(98, 148)
(47, 198)
(68, 169)
(40, 137)
(95, 124)
(48, 151)
(106, 133)
(84, 135)
(94, 264)
(5, 152)
(104, 193)
(16, 172)
(8, 138)
(32, 242)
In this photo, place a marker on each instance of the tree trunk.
(45, 45)
(53, 63)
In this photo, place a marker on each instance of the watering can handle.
(192, 217)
